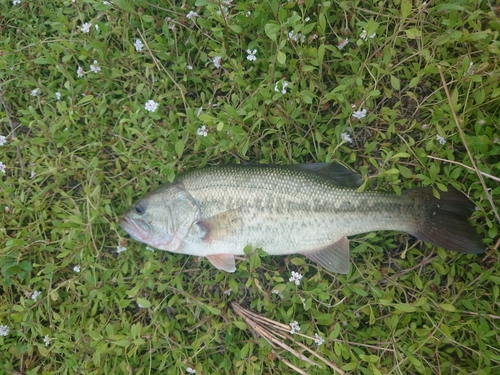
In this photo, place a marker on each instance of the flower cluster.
(151, 106)
(318, 339)
(346, 137)
(296, 37)
(120, 249)
(217, 60)
(284, 85)
(359, 114)
(364, 35)
(202, 131)
(295, 278)
(294, 327)
(251, 55)
(138, 45)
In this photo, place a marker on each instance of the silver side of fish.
(307, 209)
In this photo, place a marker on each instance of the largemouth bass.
(308, 209)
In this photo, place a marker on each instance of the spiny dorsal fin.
(334, 257)
(335, 172)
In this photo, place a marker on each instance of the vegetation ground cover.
(102, 101)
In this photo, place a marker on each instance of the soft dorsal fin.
(335, 172)
(334, 257)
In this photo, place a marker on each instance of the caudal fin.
(444, 222)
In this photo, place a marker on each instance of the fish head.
(162, 218)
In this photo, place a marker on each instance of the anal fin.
(334, 257)
(224, 262)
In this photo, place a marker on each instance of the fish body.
(308, 209)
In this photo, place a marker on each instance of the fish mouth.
(134, 229)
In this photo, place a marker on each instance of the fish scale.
(308, 209)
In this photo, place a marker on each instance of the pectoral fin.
(224, 262)
(334, 257)
(222, 226)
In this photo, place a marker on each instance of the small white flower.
(138, 45)
(151, 106)
(95, 67)
(307, 19)
(3, 140)
(202, 131)
(35, 295)
(34, 92)
(318, 339)
(32, 174)
(86, 27)
(364, 34)
(224, 11)
(190, 370)
(2, 167)
(248, 14)
(15, 2)
(217, 61)
(7, 209)
(120, 249)
(46, 340)
(275, 291)
(251, 55)
(346, 137)
(228, 292)
(4, 330)
(424, 126)
(294, 327)
(192, 15)
(284, 85)
(295, 278)
(79, 72)
(359, 114)
(440, 139)
(76, 269)
(58, 95)
(343, 43)
(471, 69)
(296, 37)
(189, 66)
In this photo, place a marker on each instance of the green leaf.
(281, 57)
(125, 6)
(395, 83)
(241, 325)
(236, 28)
(404, 307)
(272, 30)
(405, 9)
(179, 147)
(143, 302)
(447, 307)
(413, 33)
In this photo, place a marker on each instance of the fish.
(309, 209)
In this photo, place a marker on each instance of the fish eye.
(139, 209)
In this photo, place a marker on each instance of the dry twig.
(275, 333)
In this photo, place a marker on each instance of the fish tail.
(444, 222)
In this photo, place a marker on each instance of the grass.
(74, 164)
